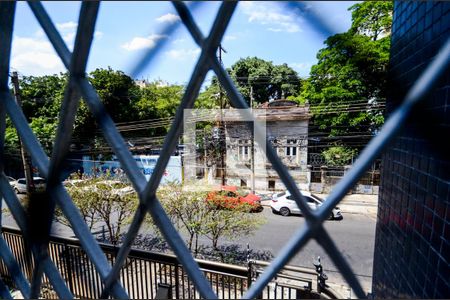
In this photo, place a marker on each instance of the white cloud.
(168, 18)
(67, 26)
(98, 34)
(182, 54)
(302, 65)
(303, 68)
(179, 41)
(230, 37)
(138, 43)
(69, 38)
(39, 33)
(34, 56)
(271, 16)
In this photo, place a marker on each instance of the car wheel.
(284, 211)
(331, 217)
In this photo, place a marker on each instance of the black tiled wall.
(412, 247)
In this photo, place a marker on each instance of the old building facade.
(286, 127)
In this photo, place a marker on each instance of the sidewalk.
(358, 204)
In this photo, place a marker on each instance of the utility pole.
(26, 161)
(252, 144)
(251, 96)
(221, 126)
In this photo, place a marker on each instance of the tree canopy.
(349, 80)
(372, 18)
(256, 78)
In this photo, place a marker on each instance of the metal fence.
(78, 86)
(144, 272)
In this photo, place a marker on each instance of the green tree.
(159, 100)
(187, 210)
(231, 224)
(349, 80)
(45, 130)
(372, 18)
(253, 76)
(102, 202)
(42, 95)
(191, 213)
(118, 93)
(339, 155)
(41, 100)
(210, 97)
(263, 80)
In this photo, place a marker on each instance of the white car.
(20, 185)
(284, 204)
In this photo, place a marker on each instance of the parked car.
(284, 204)
(229, 197)
(20, 185)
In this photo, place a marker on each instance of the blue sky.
(125, 30)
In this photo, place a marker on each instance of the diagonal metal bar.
(319, 23)
(92, 99)
(14, 269)
(114, 139)
(38, 271)
(208, 50)
(85, 237)
(85, 33)
(7, 10)
(19, 215)
(26, 134)
(58, 283)
(4, 291)
(83, 41)
(160, 218)
(13, 203)
(51, 31)
(111, 134)
(125, 248)
(328, 245)
(34, 148)
(390, 129)
(238, 102)
(299, 240)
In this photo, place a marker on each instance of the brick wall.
(412, 247)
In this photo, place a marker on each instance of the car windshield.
(317, 198)
(39, 181)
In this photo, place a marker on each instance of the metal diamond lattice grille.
(78, 87)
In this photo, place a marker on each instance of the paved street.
(354, 236)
